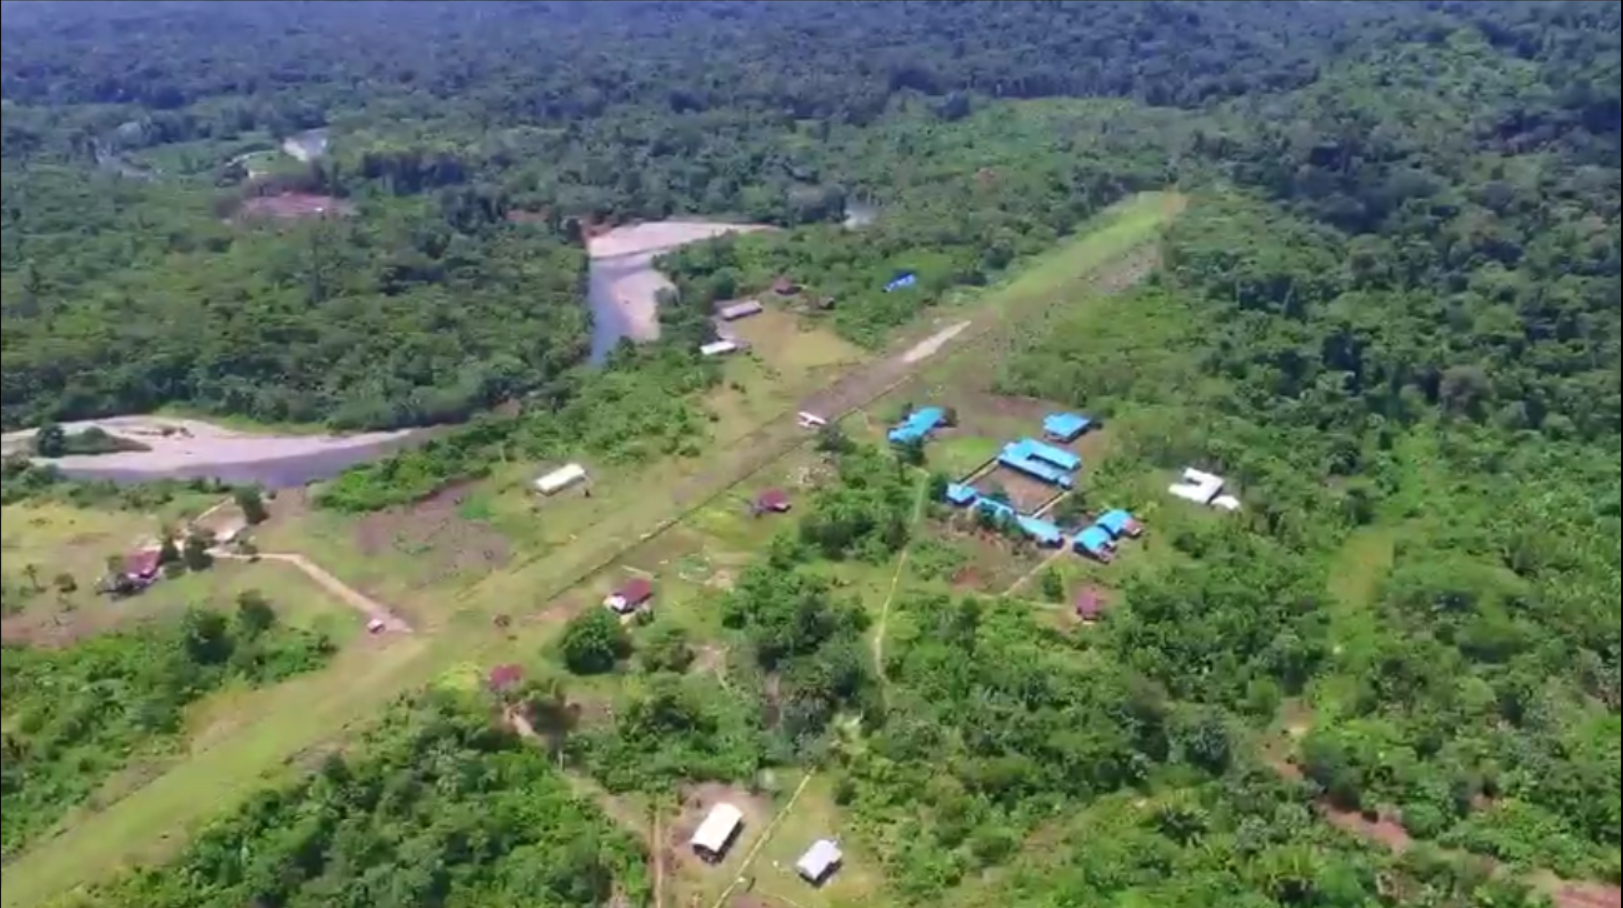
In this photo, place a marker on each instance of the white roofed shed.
(716, 833)
(820, 860)
(560, 479)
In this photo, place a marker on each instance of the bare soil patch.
(1025, 493)
(434, 528)
(697, 801)
(294, 206)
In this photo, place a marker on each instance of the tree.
(831, 439)
(937, 490)
(667, 649)
(65, 583)
(195, 555)
(1053, 585)
(51, 440)
(252, 504)
(168, 551)
(31, 571)
(254, 613)
(207, 637)
(594, 642)
(911, 452)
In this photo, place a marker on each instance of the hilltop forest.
(1391, 312)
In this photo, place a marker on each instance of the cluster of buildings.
(1048, 463)
(715, 836)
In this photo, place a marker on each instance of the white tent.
(560, 479)
(819, 861)
(717, 348)
(713, 836)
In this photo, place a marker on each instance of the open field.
(538, 588)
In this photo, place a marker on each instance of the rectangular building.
(742, 309)
(715, 835)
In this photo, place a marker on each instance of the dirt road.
(366, 605)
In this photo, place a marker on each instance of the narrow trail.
(1026, 577)
(890, 596)
(655, 853)
(372, 608)
(766, 836)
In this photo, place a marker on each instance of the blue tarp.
(1041, 530)
(902, 281)
(1047, 453)
(1065, 426)
(1093, 540)
(960, 494)
(919, 423)
(1115, 522)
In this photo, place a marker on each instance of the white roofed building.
(820, 860)
(560, 479)
(715, 835)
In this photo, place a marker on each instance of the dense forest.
(1390, 314)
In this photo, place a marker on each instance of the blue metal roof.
(1013, 458)
(901, 281)
(960, 494)
(1093, 540)
(1059, 457)
(919, 423)
(996, 508)
(1065, 426)
(1115, 522)
(1041, 530)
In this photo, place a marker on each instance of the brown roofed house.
(785, 287)
(631, 595)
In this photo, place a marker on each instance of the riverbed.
(195, 449)
(623, 283)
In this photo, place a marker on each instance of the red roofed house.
(142, 567)
(503, 677)
(631, 596)
(1090, 605)
(773, 500)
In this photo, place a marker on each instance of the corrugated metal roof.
(718, 828)
(819, 860)
(1066, 426)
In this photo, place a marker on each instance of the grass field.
(665, 515)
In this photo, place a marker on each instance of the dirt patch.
(1026, 494)
(697, 802)
(434, 528)
(927, 348)
(1384, 828)
(294, 206)
(968, 579)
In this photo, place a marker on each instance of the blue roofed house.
(1096, 542)
(996, 508)
(961, 495)
(1065, 427)
(1119, 523)
(918, 424)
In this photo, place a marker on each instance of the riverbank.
(178, 448)
(625, 285)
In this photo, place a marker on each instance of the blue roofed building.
(901, 282)
(1041, 530)
(1049, 454)
(1065, 427)
(1018, 459)
(918, 425)
(1096, 542)
(1119, 523)
(961, 495)
(996, 508)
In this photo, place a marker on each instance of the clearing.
(308, 714)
